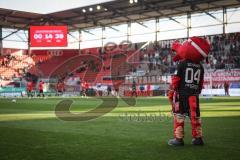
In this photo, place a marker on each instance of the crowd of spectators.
(11, 66)
(5, 64)
(225, 54)
(5, 60)
(158, 57)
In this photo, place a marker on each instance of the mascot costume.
(187, 83)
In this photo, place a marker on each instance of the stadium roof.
(47, 6)
(113, 12)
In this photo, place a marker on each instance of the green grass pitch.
(30, 130)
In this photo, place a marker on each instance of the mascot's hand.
(170, 96)
(174, 100)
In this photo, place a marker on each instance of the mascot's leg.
(178, 131)
(178, 122)
(179, 126)
(195, 121)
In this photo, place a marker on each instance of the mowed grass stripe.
(113, 136)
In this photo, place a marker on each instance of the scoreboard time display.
(48, 36)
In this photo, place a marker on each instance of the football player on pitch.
(40, 88)
(187, 83)
(29, 88)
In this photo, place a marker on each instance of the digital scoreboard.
(48, 36)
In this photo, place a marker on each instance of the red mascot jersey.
(188, 79)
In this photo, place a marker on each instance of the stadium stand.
(155, 59)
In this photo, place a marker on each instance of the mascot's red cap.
(195, 49)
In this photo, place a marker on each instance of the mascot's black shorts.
(185, 104)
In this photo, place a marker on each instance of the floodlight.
(98, 7)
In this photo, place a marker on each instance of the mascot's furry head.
(195, 49)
